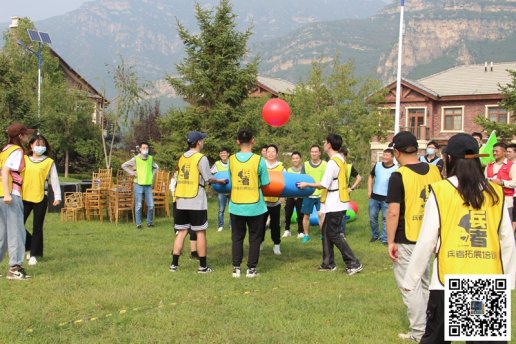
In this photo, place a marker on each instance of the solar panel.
(34, 36)
(45, 37)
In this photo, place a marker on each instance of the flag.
(488, 149)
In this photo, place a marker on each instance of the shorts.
(196, 220)
(309, 204)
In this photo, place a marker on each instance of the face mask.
(145, 152)
(430, 151)
(39, 150)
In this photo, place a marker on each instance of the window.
(452, 119)
(497, 114)
(416, 117)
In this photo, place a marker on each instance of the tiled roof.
(277, 85)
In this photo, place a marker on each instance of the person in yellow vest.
(334, 197)
(39, 168)
(143, 167)
(351, 173)
(292, 203)
(193, 173)
(220, 166)
(315, 168)
(406, 196)
(464, 212)
(248, 173)
(12, 229)
(273, 203)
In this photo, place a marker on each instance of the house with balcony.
(444, 104)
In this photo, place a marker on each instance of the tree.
(212, 79)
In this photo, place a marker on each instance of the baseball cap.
(404, 141)
(194, 136)
(463, 146)
(16, 129)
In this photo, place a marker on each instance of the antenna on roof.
(491, 66)
(485, 66)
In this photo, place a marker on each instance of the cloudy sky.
(36, 9)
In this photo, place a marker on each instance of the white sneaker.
(301, 235)
(220, 229)
(33, 261)
(286, 234)
(28, 255)
(276, 250)
(407, 336)
(236, 272)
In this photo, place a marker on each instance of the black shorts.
(196, 220)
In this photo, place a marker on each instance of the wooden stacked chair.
(96, 199)
(121, 196)
(73, 209)
(161, 192)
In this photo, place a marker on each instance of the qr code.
(477, 307)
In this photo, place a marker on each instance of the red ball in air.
(276, 112)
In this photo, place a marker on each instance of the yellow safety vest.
(34, 177)
(279, 168)
(144, 170)
(221, 167)
(245, 182)
(417, 190)
(188, 181)
(342, 180)
(316, 173)
(3, 158)
(469, 237)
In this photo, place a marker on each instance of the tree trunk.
(67, 160)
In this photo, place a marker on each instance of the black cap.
(463, 146)
(405, 142)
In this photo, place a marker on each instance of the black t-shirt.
(396, 194)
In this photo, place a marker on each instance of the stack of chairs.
(121, 197)
(161, 192)
(73, 209)
(96, 199)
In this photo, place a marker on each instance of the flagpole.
(398, 78)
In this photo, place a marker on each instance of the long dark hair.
(39, 137)
(472, 182)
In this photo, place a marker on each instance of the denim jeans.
(374, 209)
(12, 230)
(139, 192)
(223, 201)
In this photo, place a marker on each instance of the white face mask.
(430, 151)
(39, 150)
(145, 152)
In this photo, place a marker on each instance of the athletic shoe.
(236, 272)
(301, 235)
(194, 255)
(138, 226)
(276, 250)
(173, 268)
(204, 270)
(150, 225)
(286, 234)
(374, 239)
(407, 336)
(220, 229)
(352, 271)
(325, 268)
(251, 273)
(306, 238)
(17, 273)
(33, 261)
(384, 243)
(28, 255)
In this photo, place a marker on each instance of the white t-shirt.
(329, 181)
(14, 163)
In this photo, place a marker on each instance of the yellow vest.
(188, 176)
(417, 190)
(221, 167)
(34, 177)
(469, 237)
(144, 170)
(316, 173)
(342, 180)
(3, 158)
(279, 168)
(244, 179)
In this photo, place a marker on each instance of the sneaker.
(306, 238)
(374, 239)
(276, 250)
(251, 273)
(138, 226)
(204, 270)
(33, 261)
(326, 268)
(286, 234)
(352, 271)
(220, 229)
(28, 255)
(407, 336)
(150, 225)
(173, 268)
(194, 255)
(236, 272)
(17, 273)
(301, 235)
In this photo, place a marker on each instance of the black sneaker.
(374, 239)
(150, 225)
(173, 268)
(17, 273)
(352, 271)
(326, 268)
(204, 270)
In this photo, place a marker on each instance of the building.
(271, 87)
(444, 104)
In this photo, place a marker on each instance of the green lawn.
(101, 283)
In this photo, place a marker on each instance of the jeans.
(139, 192)
(12, 230)
(34, 242)
(374, 209)
(223, 200)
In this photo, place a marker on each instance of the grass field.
(101, 283)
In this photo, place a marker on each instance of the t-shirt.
(259, 207)
(199, 202)
(329, 181)
(396, 194)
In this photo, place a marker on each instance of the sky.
(36, 9)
